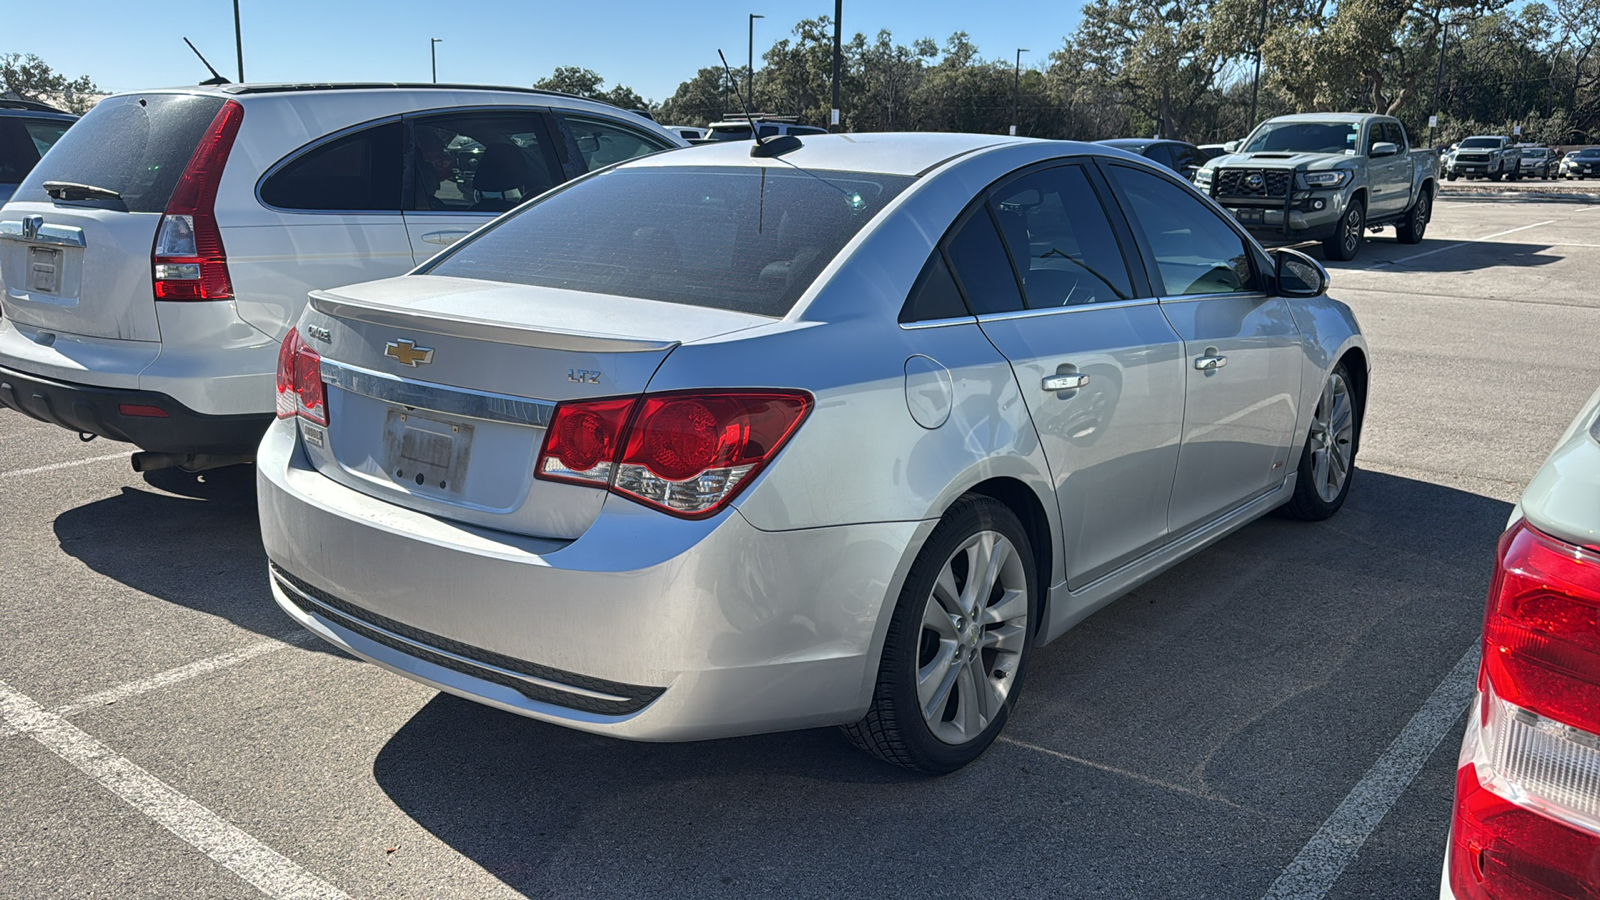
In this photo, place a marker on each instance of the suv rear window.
(136, 146)
(739, 238)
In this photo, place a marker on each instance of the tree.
(27, 77)
(1155, 52)
(587, 83)
(701, 100)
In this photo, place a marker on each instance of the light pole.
(838, 14)
(1016, 85)
(238, 40)
(750, 71)
(433, 55)
(1255, 83)
(1438, 81)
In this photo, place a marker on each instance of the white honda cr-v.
(157, 255)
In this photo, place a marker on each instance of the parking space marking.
(181, 673)
(1318, 865)
(63, 465)
(1476, 240)
(270, 872)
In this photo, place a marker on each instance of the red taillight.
(142, 410)
(300, 388)
(1541, 633)
(189, 262)
(687, 452)
(1502, 851)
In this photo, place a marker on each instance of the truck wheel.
(1346, 241)
(1450, 177)
(1410, 229)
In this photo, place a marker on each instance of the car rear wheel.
(957, 645)
(1329, 458)
(1346, 242)
(1415, 224)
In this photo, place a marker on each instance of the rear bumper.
(646, 627)
(97, 410)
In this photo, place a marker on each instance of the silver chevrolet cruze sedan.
(744, 438)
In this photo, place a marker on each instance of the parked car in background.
(1327, 177)
(765, 126)
(1185, 159)
(27, 131)
(1527, 800)
(1538, 162)
(753, 444)
(1581, 164)
(687, 132)
(1485, 156)
(1212, 151)
(156, 257)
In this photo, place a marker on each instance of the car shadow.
(195, 541)
(1210, 688)
(1444, 256)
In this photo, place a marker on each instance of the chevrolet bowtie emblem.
(407, 353)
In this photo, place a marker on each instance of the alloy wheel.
(1332, 435)
(1352, 230)
(974, 628)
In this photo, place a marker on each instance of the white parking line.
(181, 673)
(63, 465)
(269, 871)
(1318, 865)
(1477, 240)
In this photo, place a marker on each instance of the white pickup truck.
(1485, 156)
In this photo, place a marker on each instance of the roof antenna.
(216, 77)
(773, 146)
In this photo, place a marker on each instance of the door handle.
(1068, 382)
(444, 237)
(1209, 363)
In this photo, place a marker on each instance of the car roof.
(886, 153)
(47, 114)
(1133, 143)
(1352, 118)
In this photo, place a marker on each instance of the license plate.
(44, 270)
(424, 454)
(1249, 216)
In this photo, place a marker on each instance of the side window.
(18, 155)
(1061, 239)
(1194, 249)
(766, 131)
(359, 172)
(1397, 135)
(935, 295)
(981, 266)
(1191, 156)
(1158, 153)
(44, 133)
(603, 143)
(478, 161)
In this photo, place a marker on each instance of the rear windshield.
(738, 238)
(731, 133)
(136, 146)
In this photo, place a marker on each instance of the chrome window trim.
(57, 235)
(1192, 298)
(1059, 310)
(938, 323)
(437, 397)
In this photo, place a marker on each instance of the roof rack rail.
(287, 87)
(759, 117)
(29, 105)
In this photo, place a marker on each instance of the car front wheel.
(1346, 242)
(957, 645)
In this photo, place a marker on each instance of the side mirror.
(1384, 148)
(1299, 275)
(1231, 146)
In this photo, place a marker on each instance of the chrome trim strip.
(1259, 296)
(59, 235)
(438, 397)
(1055, 310)
(336, 616)
(938, 323)
(449, 325)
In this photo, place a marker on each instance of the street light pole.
(750, 71)
(238, 40)
(1438, 81)
(433, 56)
(1255, 83)
(1016, 86)
(838, 14)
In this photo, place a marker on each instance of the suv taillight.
(300, 388)
(683, 452)
(1527, 806)
(188, 261)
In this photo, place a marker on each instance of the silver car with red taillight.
(832, 430)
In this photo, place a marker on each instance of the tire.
(1328, 462)
(1450, 177)
(1410, 229)
(977, 671)
(1346, 241)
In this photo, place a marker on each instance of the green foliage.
(27, 77)
(587, 83)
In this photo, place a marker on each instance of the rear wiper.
(67, 190)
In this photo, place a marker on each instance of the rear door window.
(480, 161)
(1158, 153)
(981, 265)
(741, 238)
(1061, 239)
(359, 172)
(603, 143)
(935, 295)
(134, 145)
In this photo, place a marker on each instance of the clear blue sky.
(650, 46)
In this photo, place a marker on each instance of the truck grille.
(1472, 157)
(1253, 183)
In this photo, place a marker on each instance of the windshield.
(1535, 154)
(1480, 143)
(727, 237)
(1591, 152)
(1303, 137)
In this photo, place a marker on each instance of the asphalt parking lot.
(1278, 716)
